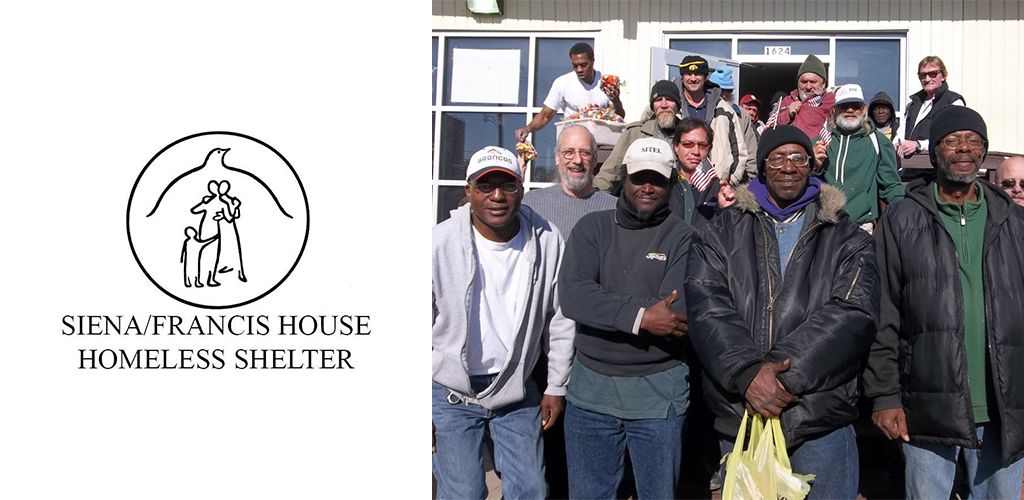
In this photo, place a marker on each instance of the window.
(872, 64)
(471, 109)
(720, 48)
(770, 60)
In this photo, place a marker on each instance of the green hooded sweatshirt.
(862, 173)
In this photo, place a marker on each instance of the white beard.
(666, 120)
(850, 125)
(575, 182)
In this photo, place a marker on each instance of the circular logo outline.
(131, 197)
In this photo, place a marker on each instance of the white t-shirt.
(568, 93)
(494, 303)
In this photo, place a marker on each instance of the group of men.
(793, 288)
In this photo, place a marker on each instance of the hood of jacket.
(879, 99)
(1000, 205)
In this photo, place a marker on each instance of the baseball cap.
(649, 153)
(490, 159)
(849, 93)
(750, 98)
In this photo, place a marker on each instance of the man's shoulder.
(540, 227)
(602, 198)
(542, 194)
(732, 218)
(639, 124)
(596, 219)
(566, 78)
(595, 223)
(453, 232)
(678, 227)
(456, 219)
(911, 210)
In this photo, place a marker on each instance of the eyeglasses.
(1009, 183)
(703, 146)
(487, 188)
(974, 143)
(929, 74)
(799, 160)
(568, 154)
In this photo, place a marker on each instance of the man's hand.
(794, 108)
(908, 148)
(433, 437)
(726, 195)
(893, 423)
(612, 93)
(765, 395)
(521, 134)
(820, 151)
(660, 320)
(550, 408)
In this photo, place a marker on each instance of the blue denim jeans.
(595, 446)
(515, 431)
(832, 458)
(931, 468)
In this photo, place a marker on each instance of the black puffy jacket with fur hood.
(821, 315)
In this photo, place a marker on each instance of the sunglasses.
(929, 74)
(1009, 183)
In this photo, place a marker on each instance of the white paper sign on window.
(485, 76)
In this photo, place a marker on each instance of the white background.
(89, 92)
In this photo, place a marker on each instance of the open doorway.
(765, 81)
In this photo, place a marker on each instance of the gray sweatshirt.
(542, 327)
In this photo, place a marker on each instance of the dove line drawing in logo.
(173, 198)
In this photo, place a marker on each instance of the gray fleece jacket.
(542, 325)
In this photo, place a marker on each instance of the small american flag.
(703, 176)
(826, 133)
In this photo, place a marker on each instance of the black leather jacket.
(822, 316)
(918, 360)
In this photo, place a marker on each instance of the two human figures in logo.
(216, 247)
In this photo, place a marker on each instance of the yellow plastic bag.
(761, 470)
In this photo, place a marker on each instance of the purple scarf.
(760, 191)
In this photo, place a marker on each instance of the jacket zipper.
(768, 273)
(963, 332)
(860, 265)
(771, 295)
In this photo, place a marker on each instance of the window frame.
(829, 59)
(438, 108)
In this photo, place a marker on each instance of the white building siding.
(980, 41)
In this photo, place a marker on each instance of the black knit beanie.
(955, 118)
(665, 88)
(693, 64)
(773, 137)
